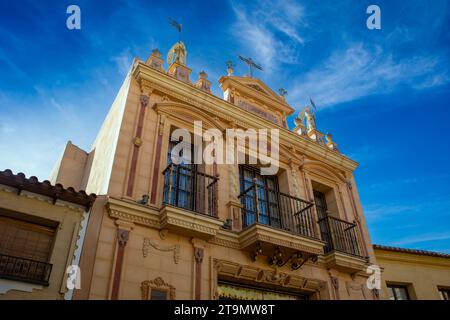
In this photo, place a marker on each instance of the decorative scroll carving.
(144, 100)
(151, 243)
(352, 286)
(198, 254)
(122, 237)
(335, 284)
(157, 283)
(273, 277)
(266, 277)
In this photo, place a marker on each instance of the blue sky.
(383, 94)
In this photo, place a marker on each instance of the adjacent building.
(41, 234)
(410, 274)
(165, 229)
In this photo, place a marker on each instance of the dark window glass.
(444, 293)
(321, 204)
(267, 195)
(397, 292)
(183, 182)
(157, 294)
(321, 208)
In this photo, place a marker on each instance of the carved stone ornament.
(266, 276)
(198, 254)
(137, 141)
(122, 237)
(151, 243)
(144, 100)
(376, 294)
(335, 282)
(358, 287)
(157, 283)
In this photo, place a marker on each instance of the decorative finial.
(310, 119)
(230, 66)
(202, 82)
(300, 123)
(282, 92)
(156, 53)
(330, 143)
(177, 54)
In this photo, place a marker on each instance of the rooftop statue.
(177, 54)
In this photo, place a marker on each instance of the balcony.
(26, 270)
(274, 218)
(190, 201)
(343, 250)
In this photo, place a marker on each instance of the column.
(199, 252)
(123, 233)
(137, 142)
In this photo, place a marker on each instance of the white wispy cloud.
(362, 70)
(425, 237)
(257, 29)
(374, 212)
(123, 61)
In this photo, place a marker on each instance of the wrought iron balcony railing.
(26, 270)
(278, 210)
(186, 187)
(340, 235)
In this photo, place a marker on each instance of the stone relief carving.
(265, 276)
(144, 100)
(198, 254)
(358, 287)
(335, 284)
(122, 237)
(151, 243)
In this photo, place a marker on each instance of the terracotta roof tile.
(412, 251)
(32, 184)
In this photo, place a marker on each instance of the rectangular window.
(183, 180)
(25, 249)
(444, 293)
(186, 185)
(26, 240)
(267, 194)
(398, 292)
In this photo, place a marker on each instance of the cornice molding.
(171, 108)
(289, 280)
(259, 233)
(232, 113)
(268, 99)
(344, 262)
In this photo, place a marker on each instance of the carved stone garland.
(151, 243)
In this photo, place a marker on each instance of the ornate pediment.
(255, 96)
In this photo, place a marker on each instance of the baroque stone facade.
(305, 238)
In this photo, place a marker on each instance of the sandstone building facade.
(161, 230)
